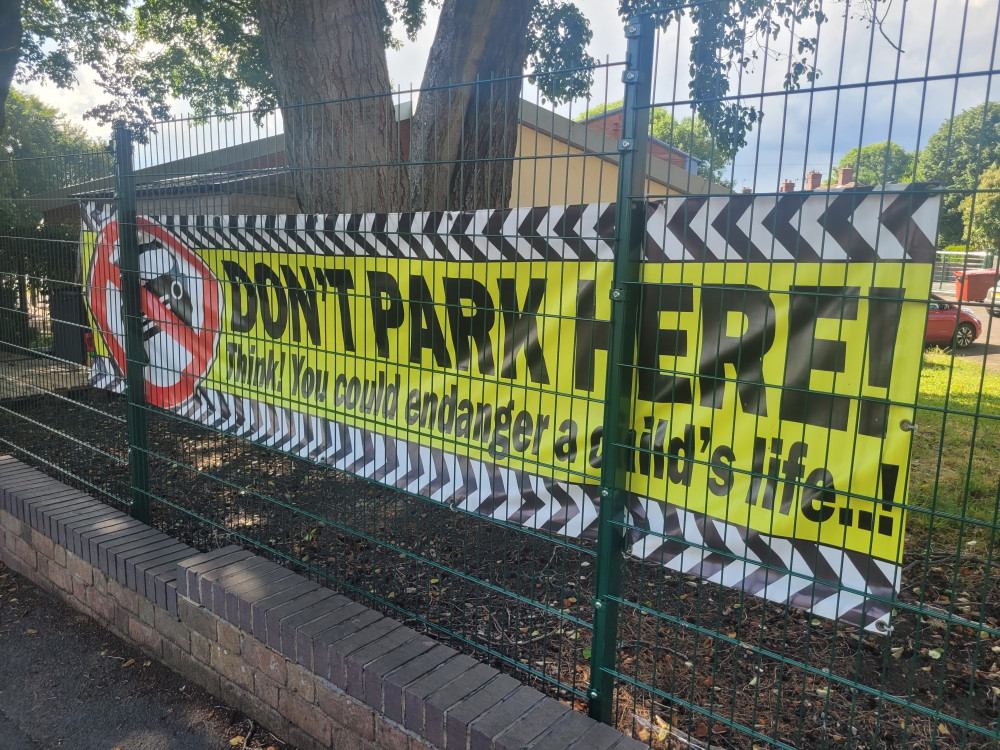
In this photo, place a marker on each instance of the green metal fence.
(50, 413)
(717, 559)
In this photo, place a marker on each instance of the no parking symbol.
(180, 302)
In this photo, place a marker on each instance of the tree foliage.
(214, 55)
(61, 35)
(40, 151)
(690, 134)
(729, 37)
(981, 212)
(882, 163)
(956, 156)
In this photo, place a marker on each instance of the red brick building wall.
(610, 126)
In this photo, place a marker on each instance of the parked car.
(949, 323)
(992, 301)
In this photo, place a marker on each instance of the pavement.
(65, 682)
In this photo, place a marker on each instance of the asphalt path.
(65, 682)
(986, 348)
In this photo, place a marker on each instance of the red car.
(949, 323)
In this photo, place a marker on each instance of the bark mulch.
(701, 665)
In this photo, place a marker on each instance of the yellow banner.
(769, 396)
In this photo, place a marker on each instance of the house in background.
(557, 162)
(814, 181)
(609, 123)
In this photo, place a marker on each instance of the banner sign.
(462, 357)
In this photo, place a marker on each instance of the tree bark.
(463, 137)
(344, 151)
(10, 50)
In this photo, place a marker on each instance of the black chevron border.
(897, 223)
(847, 586)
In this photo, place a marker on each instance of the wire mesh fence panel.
(48, 411)
(671, 405)
(811, 488)
(360, 357)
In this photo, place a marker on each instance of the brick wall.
(310, 665)
(610, 126)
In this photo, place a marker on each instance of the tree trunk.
(10, 49)
(463, 138)
(344, 152)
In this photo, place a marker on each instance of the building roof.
(224, 170)
(653, 139)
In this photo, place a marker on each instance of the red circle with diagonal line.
(180, 310)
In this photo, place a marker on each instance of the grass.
(955, 464)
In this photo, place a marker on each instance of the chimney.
(813, 180)
(787, 186)
(747, 190)
(845, 176)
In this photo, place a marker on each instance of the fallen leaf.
(943, 729)
(32, 631)
(237, 740)
(935, 653)
(147, 663)
(701, 730)
(129, 663)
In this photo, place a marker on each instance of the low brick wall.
(310, 665)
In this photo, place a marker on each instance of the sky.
(867, 90)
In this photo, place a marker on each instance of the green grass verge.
(955, 462)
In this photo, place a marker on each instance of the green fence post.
(135, 353)
(630, 227)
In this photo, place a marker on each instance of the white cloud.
(74, 102)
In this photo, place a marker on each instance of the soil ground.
(67, 683)
(700, 665)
